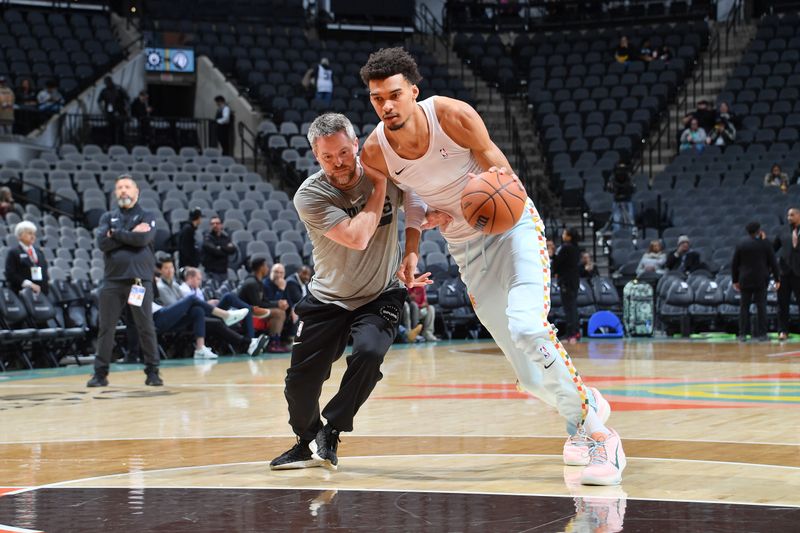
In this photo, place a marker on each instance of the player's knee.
(525, 332)
(368, 354)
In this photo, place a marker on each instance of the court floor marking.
(386, 435)
(372, 457)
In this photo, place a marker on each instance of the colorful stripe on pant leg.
(545, 262)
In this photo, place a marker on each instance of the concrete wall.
(210, 83)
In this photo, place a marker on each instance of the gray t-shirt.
(343, 276)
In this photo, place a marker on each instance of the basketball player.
(434, 148)
(351, 217)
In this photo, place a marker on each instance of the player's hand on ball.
(436, 218)
(502, 170)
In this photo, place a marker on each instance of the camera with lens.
(620, 184)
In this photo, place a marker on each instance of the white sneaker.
(205, 353)
(576, 448)
(235, 315)
(258, 345)
(606, 460)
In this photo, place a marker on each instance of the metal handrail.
(242, 128)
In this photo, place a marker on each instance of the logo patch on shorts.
(299, 329)
(390, 313)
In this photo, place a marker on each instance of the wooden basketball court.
(445, 443)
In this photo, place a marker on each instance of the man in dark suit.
(297, 285)
(786, 244)
(753, 261)
(187, 248)
(26, 265)
(684, 258)
(566, 267)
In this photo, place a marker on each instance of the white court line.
(359, 435)
(18, 529)
(283, 487)
(781, 354)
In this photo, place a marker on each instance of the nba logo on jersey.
(444, 153)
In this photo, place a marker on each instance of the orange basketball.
(493, 202)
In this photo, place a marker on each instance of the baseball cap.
(682, 239)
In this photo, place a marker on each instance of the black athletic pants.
(322, 335)
(112, 300)
(790, 284)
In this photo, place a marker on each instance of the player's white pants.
(508, 277)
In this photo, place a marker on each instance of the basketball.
(493, 202)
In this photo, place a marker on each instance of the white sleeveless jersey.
(439, 176)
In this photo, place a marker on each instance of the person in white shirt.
(324, 81)
(26, 265)
(223, 120)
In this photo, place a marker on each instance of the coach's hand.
(407, 268)
(436, 218)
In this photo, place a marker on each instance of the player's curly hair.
(387, 62)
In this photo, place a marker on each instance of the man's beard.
(396, 127)
(337, 181)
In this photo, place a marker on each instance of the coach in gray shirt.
(351, 218)
(125, 235)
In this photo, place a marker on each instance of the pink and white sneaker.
(576, 448)
(606, 460)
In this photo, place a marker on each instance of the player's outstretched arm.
(356, 232)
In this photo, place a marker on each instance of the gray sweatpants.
(113, 299)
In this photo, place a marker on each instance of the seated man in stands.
(50, 99)
(693, 137)
(251, 291)
(217, 246)
(723, 133)
(176, 312)
(276, 290)
(193, 285)
(653, 260)
(26, 265)
(684, 259)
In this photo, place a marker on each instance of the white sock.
(592, 424)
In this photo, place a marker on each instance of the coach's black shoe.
(153, 379)
(298, 456)
(325, 445)
(98, 380)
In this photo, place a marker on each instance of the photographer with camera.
(621, 186)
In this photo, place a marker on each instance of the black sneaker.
(98, 380)
(153, 379)
(325, 445)
(298, 456)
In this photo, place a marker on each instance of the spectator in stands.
(724, 112)
(251, 291)
(7, 204)
(704, 115)
(753, 261)
(693, 137)
(777, 178)
(142, 110)
(6, 107)
(588, 269)
(646, 52)
(653, 261)
(125, 235)
(319, 79)
(223, 121)
(623, 52)
(787, 243)
(26, 265)
(664, 53)
(622, 187)
(551, 249)
(723, 133)
(565, 269)
(426, 312)
(275, 291)
(217, 246)
(26, 95)
(405, 333)
(193, 286)
(189, 252)
(297, 285)
(50, 100)
(180, 312)
(684, 259)
(113, 101)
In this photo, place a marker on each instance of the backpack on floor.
(637, 308)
